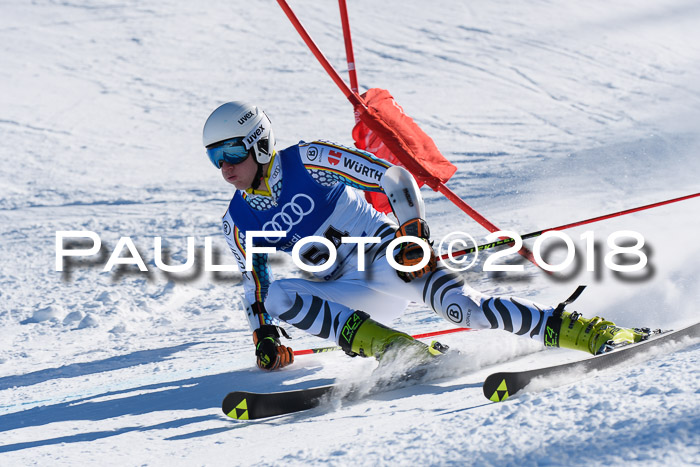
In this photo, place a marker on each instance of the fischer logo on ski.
(240, 411)
(500, 386)
(501, 393)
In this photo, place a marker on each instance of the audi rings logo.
(291, 214)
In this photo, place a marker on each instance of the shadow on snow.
(199, 393)
(87, 368)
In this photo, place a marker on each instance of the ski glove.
(411, 254)
(270, 353)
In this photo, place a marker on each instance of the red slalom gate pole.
(416, 336)
(360, 105)
(352, 96)
(349, 54)
(452, 196)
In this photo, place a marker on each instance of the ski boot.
(594, 335)
(363, 336)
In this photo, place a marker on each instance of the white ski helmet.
(240, 121)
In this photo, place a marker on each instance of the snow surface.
(553, 112)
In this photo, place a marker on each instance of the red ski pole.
(416, 336)
(568, 226)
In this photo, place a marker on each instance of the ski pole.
(416, 336)
(505, 241)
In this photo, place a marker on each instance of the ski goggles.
(232, 151)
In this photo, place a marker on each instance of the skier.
(307, 189)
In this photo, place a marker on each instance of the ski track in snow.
(552, 112)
